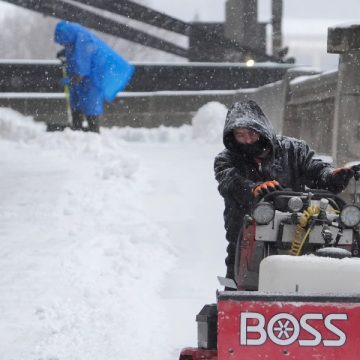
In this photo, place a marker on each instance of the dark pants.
(230, 260)
(233, 216)
(230, 264)
(78, 118)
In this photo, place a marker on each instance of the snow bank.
(162, 134)
(304, 78)
(82, 263)
(208, 123)
(16, 127)
(207, 127)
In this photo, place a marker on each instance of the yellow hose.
(300, 234)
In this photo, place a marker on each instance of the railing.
(44, 76)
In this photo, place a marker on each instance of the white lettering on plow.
(284, 329)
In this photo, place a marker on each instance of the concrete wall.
(309, 110)
(149, 109)
(162, 108)
(49, 108)
(152, 109)
(129, 109)
(300, 108)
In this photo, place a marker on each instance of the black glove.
(61, 54)
(266, 187)
(356, 169)
(340, 177)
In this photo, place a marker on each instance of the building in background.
(305, 37)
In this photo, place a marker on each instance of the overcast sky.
(336, 11)
(213, 10)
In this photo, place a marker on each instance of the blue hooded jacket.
(104, 72)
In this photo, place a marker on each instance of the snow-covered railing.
(159, 93)
(44, 76)
(155, 108)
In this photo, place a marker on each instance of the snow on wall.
(208, 122)
(16, 127)
(207, 127)
(162, 134)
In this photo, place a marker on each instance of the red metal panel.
(198, 354)
(274, 330)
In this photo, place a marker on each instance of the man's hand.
(266, 187)
(71, 81)
(341, 176)
(61, 55)
(356, 169)
(65, 81)
(76, 79)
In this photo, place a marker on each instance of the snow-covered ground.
(111, 243)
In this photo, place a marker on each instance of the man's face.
(246, 136)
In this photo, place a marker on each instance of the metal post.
(277, 11)
(241, 22)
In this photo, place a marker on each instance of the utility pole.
(277, 12)
(241, 23)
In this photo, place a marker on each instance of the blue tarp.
(105, 72)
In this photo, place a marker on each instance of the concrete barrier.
(345, 40)
(152, 109)
(309, 110)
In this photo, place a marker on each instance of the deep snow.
(110, 244)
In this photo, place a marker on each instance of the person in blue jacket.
(95, 72)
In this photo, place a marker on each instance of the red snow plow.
(296, 290)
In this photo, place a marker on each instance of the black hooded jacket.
(289, 161)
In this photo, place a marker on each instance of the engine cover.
(309, 274)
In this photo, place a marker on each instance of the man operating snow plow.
(291, 290)
(305, 305)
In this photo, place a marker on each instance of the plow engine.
(295, 223)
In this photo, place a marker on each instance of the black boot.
(93, 123)
(77, 120)
(230, 274)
